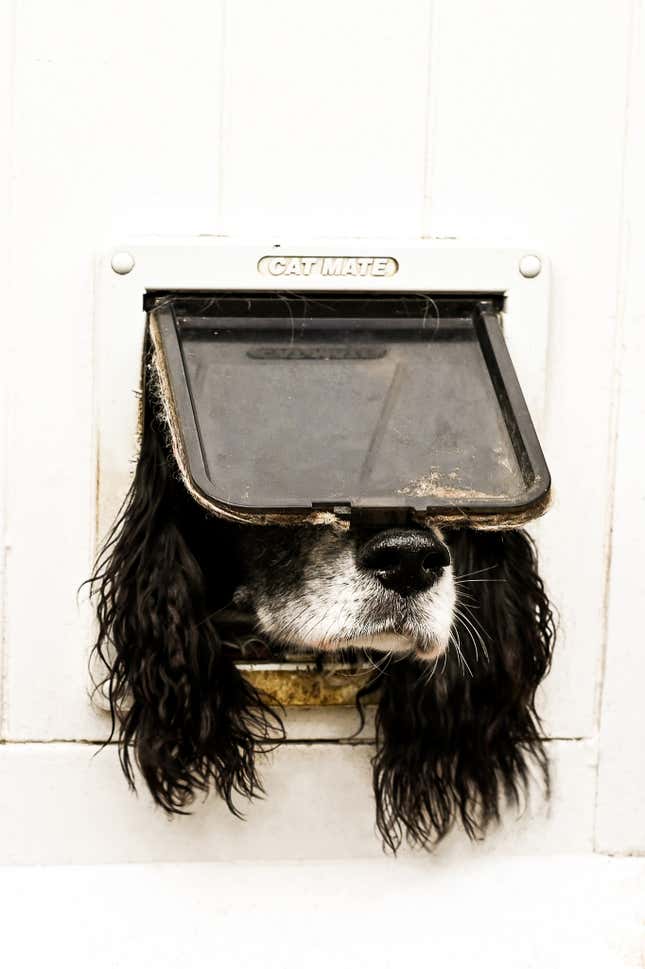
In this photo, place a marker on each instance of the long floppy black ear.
(454, 742)
(180, 708)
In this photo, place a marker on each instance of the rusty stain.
(431, 485)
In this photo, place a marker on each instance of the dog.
(456, 623)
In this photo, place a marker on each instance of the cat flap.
(287, 407)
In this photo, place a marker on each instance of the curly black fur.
(452, 744)
(177, 701)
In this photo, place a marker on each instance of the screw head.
(122, 263)
(530, 266)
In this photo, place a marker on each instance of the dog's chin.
(398, 643)
(387, 642)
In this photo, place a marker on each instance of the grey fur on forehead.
(161, 392)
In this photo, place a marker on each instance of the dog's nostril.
(382, 559)
(436, 560)
(405, 560)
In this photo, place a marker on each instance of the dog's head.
(463, 616)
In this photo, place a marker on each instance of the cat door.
(362, 379)
(371, 406)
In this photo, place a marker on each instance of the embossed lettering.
(332, 266)
(328, 266)
(276, 266)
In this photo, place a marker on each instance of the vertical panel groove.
(615, 827)
(8, 33)
(622, 264)
(431, 113)
(223, 136)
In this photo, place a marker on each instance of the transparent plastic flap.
(292, 402)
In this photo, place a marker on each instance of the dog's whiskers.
(427, 673)
(460, 581)
(465, 612)
(462, 659)
(464, 575)
(211, 615)
(381, 670)
(472, 631)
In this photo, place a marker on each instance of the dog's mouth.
(239, 629)
(393, 641)
(397, 642)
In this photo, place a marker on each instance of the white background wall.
(506, 121)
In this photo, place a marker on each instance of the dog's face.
(324, 588)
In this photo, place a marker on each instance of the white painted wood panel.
(621, 779)
(209, 117)
(527, 120)
(61, 804)
(6, 111)
(325, 121)
(116, 131)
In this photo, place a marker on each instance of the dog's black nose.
(404, 559)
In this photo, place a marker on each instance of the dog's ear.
(180, 708)
(454, 741)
